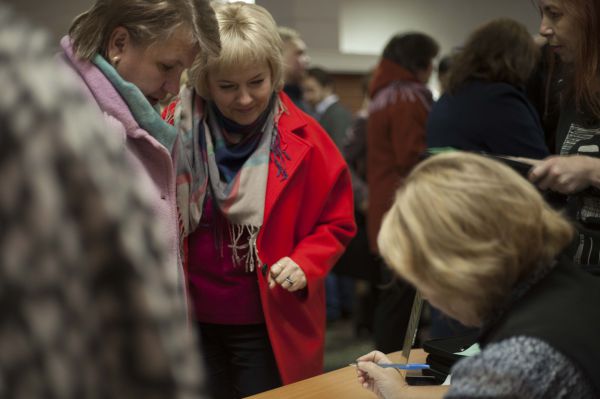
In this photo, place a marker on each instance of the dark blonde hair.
(469, 228)
(248, 36)
(147, 21)
(288, 34)
(502, 50)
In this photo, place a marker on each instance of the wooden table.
(337, 384)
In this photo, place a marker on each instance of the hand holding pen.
(375, 373)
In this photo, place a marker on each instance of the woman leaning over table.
(129, 55)
(266, 199)
(480, 243)
(572, 29)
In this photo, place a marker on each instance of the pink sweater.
(221, 292)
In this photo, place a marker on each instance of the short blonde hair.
(469, 228)
(147, 21)
(248, 36)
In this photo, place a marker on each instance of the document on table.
(470, 351)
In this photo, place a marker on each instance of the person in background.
(485, 108)
(128, 56)
(355, 150)
(319, 94)
(481, 244)
(295, 63)
(400, 103)
(543, 90)
(87, 309)
(439, 324)
(572, 31)
(325, 106)
(443, 73)
(358, 261)
(266, 203)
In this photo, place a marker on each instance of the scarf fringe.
(245, 253)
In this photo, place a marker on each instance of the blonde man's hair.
(288, 34)
(248, 37)
(147, 21)
(469, 228)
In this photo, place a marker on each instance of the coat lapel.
(296, 149)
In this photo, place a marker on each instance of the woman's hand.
(287, 274)
(566, 174)
(386, 383)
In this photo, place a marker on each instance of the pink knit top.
(221, 292)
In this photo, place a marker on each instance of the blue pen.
(400, 366)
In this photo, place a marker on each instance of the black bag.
(441, 353)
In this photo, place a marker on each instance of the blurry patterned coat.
(87, 309)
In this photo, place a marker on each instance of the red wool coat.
(310, 218)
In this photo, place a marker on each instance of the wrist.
(593, 171)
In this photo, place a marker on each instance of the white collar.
(326, 103)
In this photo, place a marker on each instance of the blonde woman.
(129, 55)
(267, 202)
(479, 242)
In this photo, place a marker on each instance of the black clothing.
(239, 360)
(491, 117)
(560, 308)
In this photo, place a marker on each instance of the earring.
(115, 60)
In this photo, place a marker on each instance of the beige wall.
(348, 35)
(343, 35)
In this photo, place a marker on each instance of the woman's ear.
(118, 44)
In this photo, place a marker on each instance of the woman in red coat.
(266, 203)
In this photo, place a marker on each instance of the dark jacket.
(561, 310)
(578, 133)
(336, 120)
(493, 117)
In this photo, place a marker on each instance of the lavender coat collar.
(120, 99)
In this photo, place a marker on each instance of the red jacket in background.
(395, 136)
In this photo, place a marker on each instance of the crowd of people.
(164, 239)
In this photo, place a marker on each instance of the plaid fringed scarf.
(240, 199)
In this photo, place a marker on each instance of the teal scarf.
(144, 113)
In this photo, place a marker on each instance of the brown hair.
(500, 51)
(585, 79)
(469, 228)
(412, 50)
(147, 21)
